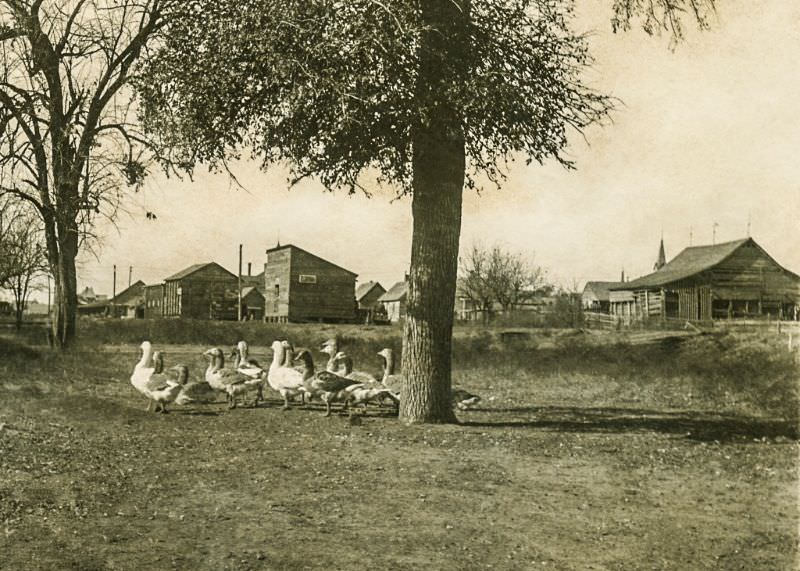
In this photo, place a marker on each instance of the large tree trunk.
(438, 180)
(66, 300)
(62, 249)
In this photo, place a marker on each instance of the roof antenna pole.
(748, 224)
(691, 235)
(714, 233)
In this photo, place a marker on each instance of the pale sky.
(707, 133)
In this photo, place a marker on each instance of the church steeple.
(662, 256)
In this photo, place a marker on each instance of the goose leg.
(327, 407)
(285, 401)
(149, 405)
(164, 408)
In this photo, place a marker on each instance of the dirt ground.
(559, 473)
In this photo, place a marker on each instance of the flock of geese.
(291, 375)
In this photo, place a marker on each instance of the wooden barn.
(201, 291)
(733, 280)
(367, 298)
(394, 301)
(596, 296)
(300, 286)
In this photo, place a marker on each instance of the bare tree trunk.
(62, 250)
(438, 182)
(66, 300)
(19, 304)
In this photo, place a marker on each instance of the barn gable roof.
(194, 269)
(132, 293)
(307, 253)
(691, 262)
(365, 288)
(396, 293)
(601, 289)
(250, 289)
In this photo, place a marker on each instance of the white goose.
(162, 388)
(250, 367)
(288, 382)
(331, 348)
(231, 382)
(148, 377)
(143, 370)
(391, 380)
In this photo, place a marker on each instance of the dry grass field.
(588, 451)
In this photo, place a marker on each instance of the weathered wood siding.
(153, 301)
(277, 272)
(319, 290)
(253, 305)
(395, 310)
(370, 301)
(749, 274)
(209, 293)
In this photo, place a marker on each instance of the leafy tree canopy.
(330, 87)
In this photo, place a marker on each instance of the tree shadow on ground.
(703, 426)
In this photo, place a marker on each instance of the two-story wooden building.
(201, 291)
(300, 286)
(736, 279)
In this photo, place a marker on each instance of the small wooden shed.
(252, 304)
(596, 295)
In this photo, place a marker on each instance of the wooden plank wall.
(752, 275)
(695, 302)
(331, 297)
(204, 295)
(277, 271)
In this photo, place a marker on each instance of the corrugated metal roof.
(688, 263)
(396, 293)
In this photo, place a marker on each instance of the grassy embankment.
(588, 451)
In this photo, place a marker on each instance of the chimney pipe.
(249, 267)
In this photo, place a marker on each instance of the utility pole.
(114, 289)
(239, 278)
(130, 274)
